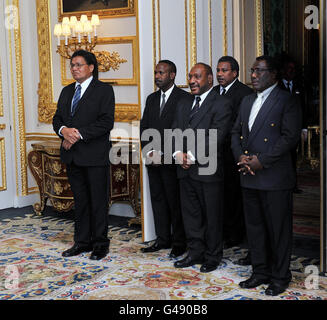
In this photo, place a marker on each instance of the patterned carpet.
(31, 267)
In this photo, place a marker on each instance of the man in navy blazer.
(267, 129)
(83, 121)
(203, 120)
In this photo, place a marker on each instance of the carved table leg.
(134, 194)
(34, 159)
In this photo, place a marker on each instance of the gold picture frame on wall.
(104, 8)
(46, 103)
(131, 63)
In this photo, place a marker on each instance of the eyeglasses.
(77, 65)
(258, 70)
(223, 70)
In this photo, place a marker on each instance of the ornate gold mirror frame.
(46, 104)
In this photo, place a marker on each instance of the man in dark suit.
(289, 83)
(158, 115)
(203, 122)
(83, 120)
(234, 90)
(268, 127)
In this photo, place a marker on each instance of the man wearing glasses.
(267, 129)
(83, 121)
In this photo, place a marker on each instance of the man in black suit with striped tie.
(83, 121)
(204, 119)
(158, 115)
(234, 90)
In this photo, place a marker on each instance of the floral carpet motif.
(31, 267)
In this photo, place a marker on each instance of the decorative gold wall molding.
(106, 13)
(18, 97)
(186, 46)
(3, 187)
(127, 112)
(1, 94)
(193, 32)
(224, 11)
(157, 40)
(114, 81)
(46, 105)
(259, 26)
(210, 31)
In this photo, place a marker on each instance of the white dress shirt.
(203, 96)
(226, 88)
(84, 85)
(258, 103)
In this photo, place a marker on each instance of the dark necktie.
(196, 108)
(76, 98)
(162, 103)
(289, 87)
(223, 92)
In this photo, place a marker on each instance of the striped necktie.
(223, 92)
(196, 108)
(76, 98)
(163, 103)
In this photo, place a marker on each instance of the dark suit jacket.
(215, 113)
(151, 118)
(236, 93)
(298, 92)
(94, 118)
(275, 132)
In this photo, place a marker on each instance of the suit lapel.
(169, 102)
(247, 111)
(156, 104)
(70, 95)
(87, 92)
(264, 111)
(187, 107)
(232, 90)
(206, 104)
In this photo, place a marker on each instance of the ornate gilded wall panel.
(46, 104)
(1, 95)
(3, 185)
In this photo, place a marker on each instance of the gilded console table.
(125, 177)
(51, 177)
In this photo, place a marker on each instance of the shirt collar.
(227, 87)
(168, 92)
(85, 83)
(264, 94)
(203, 96)
(287, 82)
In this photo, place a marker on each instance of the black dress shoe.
(187, 262)
(205, 268)
(75, 250)
(99, 252)
(176, 252)
(274, 289)
(155, 247)
(244, 261)
(253, 282)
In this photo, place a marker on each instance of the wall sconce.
(78, 35)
